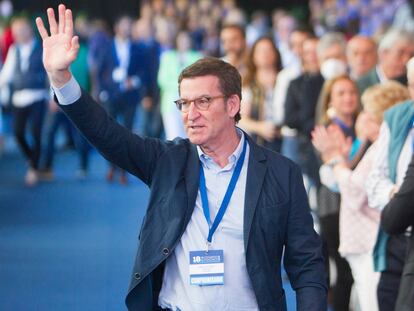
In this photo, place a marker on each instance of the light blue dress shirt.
(236, 293)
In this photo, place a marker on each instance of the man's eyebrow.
(204, 95)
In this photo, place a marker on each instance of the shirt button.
(165, 251)
(137, 276)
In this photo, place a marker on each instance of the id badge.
(207, 268)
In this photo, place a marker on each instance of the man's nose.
(193, 112)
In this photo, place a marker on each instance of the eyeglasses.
(201, 103)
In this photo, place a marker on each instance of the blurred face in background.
(310, 61)
(361, 55)
(335, 51)
(123, 28)
(394, 59)
(284, 26)
(232, 41)
(82, 27)
(367, 126)
(21, 31)
(264, 54)
(142, 30)
(344, 98)
(296, 42)
(183, 42)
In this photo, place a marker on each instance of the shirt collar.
(381, 75)
(122, 43)
(27, 46)
(207, 161)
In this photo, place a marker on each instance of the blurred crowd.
(333, 93)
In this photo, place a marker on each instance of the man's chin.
(194, 140)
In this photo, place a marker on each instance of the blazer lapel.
(255, 178)
(191, 176)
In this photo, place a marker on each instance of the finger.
(52, 21)
(62, 21)
(74, 48)
(41, 28)
(68, 23)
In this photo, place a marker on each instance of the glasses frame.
(180, 102)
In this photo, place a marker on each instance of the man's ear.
(233, 105)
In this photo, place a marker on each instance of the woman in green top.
(171, 64)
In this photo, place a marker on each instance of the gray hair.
(329, 39)
(392, 36)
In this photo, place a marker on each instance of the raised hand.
(61, 47)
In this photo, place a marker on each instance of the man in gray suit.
(394, 51)
(222, 211)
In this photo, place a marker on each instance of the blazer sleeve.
(303, 259)
(292, 105)
(398, 214)
(117, 144)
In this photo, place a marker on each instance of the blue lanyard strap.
(227, 196)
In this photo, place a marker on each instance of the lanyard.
(227, 196)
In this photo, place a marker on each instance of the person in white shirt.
(24, 71)
(202, 246)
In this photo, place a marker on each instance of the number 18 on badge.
(207, 268)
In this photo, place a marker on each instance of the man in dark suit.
(126, 80)
(396, 217)
(262, 216)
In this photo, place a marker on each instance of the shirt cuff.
(69, 93)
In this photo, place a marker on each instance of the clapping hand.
(331, 142)
(60, 48)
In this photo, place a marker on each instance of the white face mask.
(332, 68)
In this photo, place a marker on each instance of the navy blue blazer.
(277, 219)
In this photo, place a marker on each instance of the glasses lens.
(179, 103)
(202, 103)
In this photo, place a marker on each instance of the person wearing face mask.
(302, 98)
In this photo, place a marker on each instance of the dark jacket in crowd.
(372, 78)
(300, 110)
(35, 75)
(396, 217)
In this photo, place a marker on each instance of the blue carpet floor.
(68, 245)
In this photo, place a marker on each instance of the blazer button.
(165, 251)
(137, 276)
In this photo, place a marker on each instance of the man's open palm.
(61, 47)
